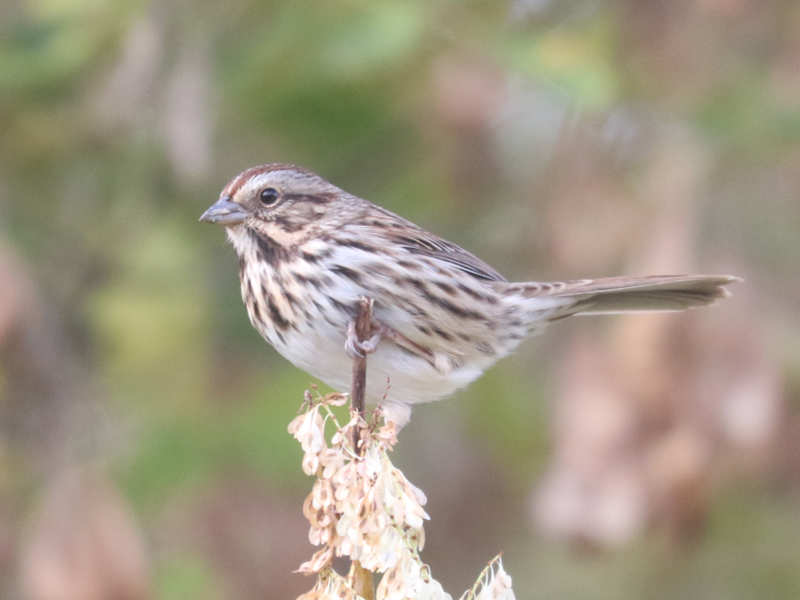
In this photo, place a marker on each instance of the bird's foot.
(357, 348)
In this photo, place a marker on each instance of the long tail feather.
(632, 294)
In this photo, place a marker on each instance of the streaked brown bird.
(308, 251)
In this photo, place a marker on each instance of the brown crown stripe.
(237, 182)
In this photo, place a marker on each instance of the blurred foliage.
(121, 121)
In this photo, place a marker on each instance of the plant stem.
(361, 579)
(363, 330)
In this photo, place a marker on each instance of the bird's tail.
(612, 295)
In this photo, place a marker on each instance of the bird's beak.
(224, 212)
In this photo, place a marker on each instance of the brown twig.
(361, 579)
(363, 330)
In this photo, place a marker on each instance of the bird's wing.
(442, 250)
(417, 241)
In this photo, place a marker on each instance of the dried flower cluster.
(493, 584)
(364, 508)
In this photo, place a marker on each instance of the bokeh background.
(143, 444)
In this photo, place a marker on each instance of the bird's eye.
(269, 196)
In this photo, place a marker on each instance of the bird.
(309, 252)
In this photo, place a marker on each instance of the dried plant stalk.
(361, 581)
(362, 507)
(358, 387)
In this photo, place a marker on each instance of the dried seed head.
(493, 584)
(363, 507)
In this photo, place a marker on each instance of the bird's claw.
(356, 348)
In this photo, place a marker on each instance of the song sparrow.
(309, 250)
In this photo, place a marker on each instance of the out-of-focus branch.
(47, 386)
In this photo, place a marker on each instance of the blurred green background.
(143, 444)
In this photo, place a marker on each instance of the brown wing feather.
(417, 241)
(439, 249)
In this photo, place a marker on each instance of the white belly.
(395, 379)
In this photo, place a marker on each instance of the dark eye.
(269, 196)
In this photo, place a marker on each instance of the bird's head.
(276, 198)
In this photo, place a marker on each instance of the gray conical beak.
(224, 212)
